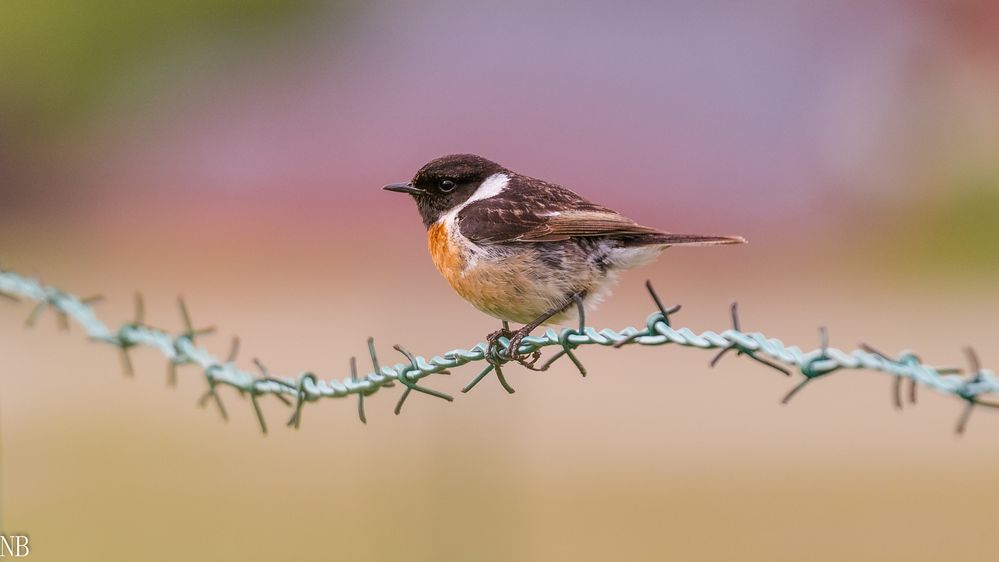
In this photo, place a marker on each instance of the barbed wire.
(181, 349)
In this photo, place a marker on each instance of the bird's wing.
(530, 210)
(533, 211)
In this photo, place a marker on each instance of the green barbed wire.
(181, 349)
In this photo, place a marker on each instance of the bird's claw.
(512, 350)
(496, 355)
(514, 345)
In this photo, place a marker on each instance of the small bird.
(524, 250)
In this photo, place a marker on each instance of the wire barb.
(126, 362)
(140, 309)
(797, 388)
(212, 394)
(189, 331)
(566, 343)
(265, 376)
(124, 343)
(360, 395)
(809, 368)
(233, 350)
(296, 418)
(254, 389)
(374, 360)
(734, 311)
(896, 383)
(499, 375)
(33, 315)
(410, 385)
(258, 412)
(666, 312)
(975, 369)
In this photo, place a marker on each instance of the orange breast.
(502, 287)
(448, 259)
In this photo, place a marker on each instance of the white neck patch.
(490, 187)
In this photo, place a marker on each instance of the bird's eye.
(447, 185)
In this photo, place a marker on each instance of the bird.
(524, 250)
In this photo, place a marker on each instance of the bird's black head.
(446, 182)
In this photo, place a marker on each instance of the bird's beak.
(403, 188)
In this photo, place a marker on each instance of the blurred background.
(233, 151)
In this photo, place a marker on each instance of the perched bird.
(525, 250)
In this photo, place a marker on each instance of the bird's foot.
(512, 350)
(496, 355)
(493, 354)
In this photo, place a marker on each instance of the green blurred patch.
(58, 57)
(957, 233)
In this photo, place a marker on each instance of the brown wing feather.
(572, 224)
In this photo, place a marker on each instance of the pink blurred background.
(234, 151)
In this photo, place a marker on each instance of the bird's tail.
(667, 238)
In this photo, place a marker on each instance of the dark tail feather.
(684, 240)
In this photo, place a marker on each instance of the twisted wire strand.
(181, 349)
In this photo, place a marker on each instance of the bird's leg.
(511, 350)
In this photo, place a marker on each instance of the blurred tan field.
(233, 155)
